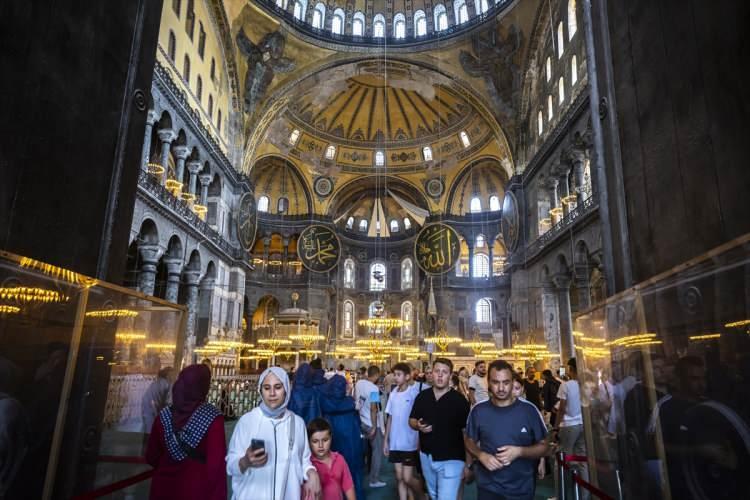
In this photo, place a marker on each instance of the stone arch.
(148, 234)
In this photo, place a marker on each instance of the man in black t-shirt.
(439, 414)
(532, 389)
(507, 436)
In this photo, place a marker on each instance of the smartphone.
(562, 371)
(257, 444)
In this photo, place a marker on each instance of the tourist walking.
(507, 436)
(571, 420)
(335, 478)
(371, 421)
(304, 400)
(478, 383)
(269, 456)
(439, 414)
(186, 447)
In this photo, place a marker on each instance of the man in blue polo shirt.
(507, 436)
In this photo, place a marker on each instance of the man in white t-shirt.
(571, 421)
(367, 396)
(478, 384)
(401, 442)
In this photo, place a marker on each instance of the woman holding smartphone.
(269, 455)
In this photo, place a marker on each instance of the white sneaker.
(378, 484)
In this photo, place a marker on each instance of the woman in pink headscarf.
(187, 445)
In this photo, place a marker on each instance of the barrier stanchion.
(576, 487)
(561, 475)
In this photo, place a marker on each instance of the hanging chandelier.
(442, 340)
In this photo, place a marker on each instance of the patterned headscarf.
(282, 375)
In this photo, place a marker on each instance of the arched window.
(394, 226)
(363, 225)
(494, 203)
(407, 274)
(218, 121)
(349, 273)
(549, 68)
(441, 17)
(190, 19)
(476, 205)
(406, 317)
(561, 89)
(300, 7)
(263, 202)
(186, 69)
(210, 106)
(482, 6)
(573, 70)
(407, 224)
(560, 40)
(337, 24)
(549, 108)
(540, 123)
(350, 222)
(378, 26)
(282, 206)
(462, 11)
(330, 152)
(481, 266)
(172, 46)
(294, 137)
(465, 139)
(427, 153)
(176, 7)
(348, 322)
(483, 311)
(399, 25)
(480, 242)
(358, 24)
(213, 69)
(281, 3)
(420, 23)
(377, 276)
(572, 21)
(199, 88)
(201, 40)
(319, 16)
(379, 158)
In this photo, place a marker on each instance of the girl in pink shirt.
(335, 479)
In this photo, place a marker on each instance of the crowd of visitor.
(315, 436)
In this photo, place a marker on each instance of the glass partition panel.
(664, 370)
(84, 368)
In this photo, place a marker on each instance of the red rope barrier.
(593, 489)
(111, 488)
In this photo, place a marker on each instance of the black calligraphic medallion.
(247, 221)
(319, 248)
(510, 221)
(437, 248)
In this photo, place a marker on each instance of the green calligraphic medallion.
(319, 248)
(437, 248)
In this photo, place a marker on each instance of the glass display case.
(80, 361)
(664, 371)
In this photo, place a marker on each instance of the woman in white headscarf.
(269, 456)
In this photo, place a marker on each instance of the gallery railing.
(585, 208)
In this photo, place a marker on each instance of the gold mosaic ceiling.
(370, 111)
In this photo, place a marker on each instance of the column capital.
(562, 281)
(551, 182)
(167, 135)
(205, 179)
(152, 117)
(191, 277)
(575, 155)
(194, 166)
(174, 265)
(181, 151)
(149, 253)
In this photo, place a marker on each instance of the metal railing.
(585, 208)
(349, 39)
(149, 184)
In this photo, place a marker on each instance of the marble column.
(193, 166)
(149, 254)
(205, 303)
(205, 181)
(577, 158)
(174, 268)
(285, 258)
(180, 153)
(166, 136)
(266, 253)
(563, 190)
(470, 245)
(554, 198)
(507, 333)
(491, 253)
(567, 347)
(151, 119)
(583, 286)
(190, 279)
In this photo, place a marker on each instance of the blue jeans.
(443, 477)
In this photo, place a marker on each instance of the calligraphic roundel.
(437, 248)
(247, 221)
(319, 248)
(509, 221)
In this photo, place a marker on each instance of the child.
(335, 478)
(401, 441)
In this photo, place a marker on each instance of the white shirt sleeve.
(388, 405)
(562, 392)
(238, 447)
